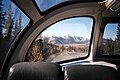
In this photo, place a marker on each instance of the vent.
(115, 6)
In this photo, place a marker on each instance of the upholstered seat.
(36, 71)
(90, 72)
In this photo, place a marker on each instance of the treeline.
(111, 47)
(41, 50)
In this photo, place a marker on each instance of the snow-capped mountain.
(67, 40)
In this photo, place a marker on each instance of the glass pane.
(111, 40)
(12, 21)
(64, 40)
(46, 4)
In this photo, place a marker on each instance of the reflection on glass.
(46, 4)
(111, 40)
(12, 21)
(64, 40)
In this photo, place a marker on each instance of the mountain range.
(67, 40)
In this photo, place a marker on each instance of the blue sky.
(110, 31)
(80, 26)
(45, 4)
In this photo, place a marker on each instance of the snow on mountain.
(68, 40)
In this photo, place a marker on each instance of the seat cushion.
(90, 72)
(36, 71)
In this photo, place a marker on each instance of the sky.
(45, 4)
(79, 26)
(110, 31)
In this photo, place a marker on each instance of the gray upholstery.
(36, 71)
(53, 71)
(90, 72)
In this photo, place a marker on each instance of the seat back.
(90, 72)
(36, 71)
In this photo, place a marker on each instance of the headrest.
(35, 71)
(90, 72)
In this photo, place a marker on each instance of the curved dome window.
(47, 4)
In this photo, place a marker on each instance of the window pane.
(64, 40)
(46, 4)
(12, 21)
(111, 40)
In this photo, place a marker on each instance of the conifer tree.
(117, 47)
(16, 29)
(118, 32)
(2, 17)
(20, 21)
(9, 23)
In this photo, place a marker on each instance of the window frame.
(105, 21)
(91, 38)
(62, 4)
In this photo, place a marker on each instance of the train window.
(110, 44)
(65, 40)
(46, 4)
(12, 21)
